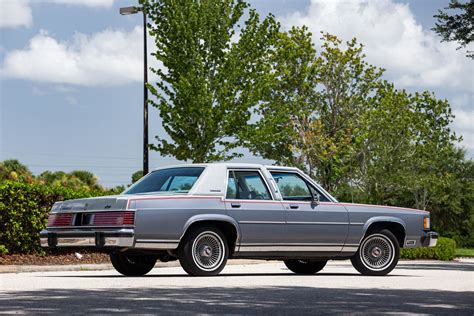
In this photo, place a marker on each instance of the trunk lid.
(104, 203)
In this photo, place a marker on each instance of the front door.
(311, 226)
(250, 202)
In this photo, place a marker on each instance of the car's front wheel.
(203, 251)
(132, 264)
(378, 253)
(305, 266)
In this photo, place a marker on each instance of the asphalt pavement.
(419, 287)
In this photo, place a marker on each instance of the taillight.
(426, 223)
(114, 218)
(59, 219)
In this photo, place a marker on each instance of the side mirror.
(315, 200)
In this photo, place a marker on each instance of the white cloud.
(464, 120)
(393, 39)
(15, 13)
(109, 57)
(89, 3)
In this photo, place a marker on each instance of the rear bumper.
(429, 239)
(74, 238)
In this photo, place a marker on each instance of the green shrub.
(24, 210)
(445, 250)
(3, 250)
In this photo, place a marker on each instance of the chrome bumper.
(75, 238)
(430, 239)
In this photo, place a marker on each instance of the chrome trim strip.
(289, 248)
(157, 245)
(90, 241)
(118, 241)
(166, 241)
(289, 244)
(76, 241)
(261, 222)
(299, 223)
(78, 228)
(350, 249)
(318, 223)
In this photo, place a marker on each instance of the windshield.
(179, 180)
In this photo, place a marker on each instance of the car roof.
(228, 165)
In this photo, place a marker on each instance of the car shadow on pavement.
(185, 275)
(236, 300)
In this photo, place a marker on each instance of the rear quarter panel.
(362, 216)
(167, 218)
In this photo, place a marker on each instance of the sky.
(71, 75)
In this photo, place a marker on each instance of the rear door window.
(247, 185)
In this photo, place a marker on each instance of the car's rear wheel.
(378, 253)
(305, 266)
(132, 264)
(204, 251)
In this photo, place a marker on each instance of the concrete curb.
(98, 267)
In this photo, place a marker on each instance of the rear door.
(310, 226)
(250, 201)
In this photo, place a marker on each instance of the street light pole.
(133, 10)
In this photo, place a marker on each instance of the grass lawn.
(465, 252)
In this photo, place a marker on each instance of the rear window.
(179, 180)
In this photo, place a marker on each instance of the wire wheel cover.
(377, 252)
(208, 251)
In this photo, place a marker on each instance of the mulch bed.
(56, 258)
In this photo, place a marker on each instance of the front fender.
(378, 219)
(212, 217)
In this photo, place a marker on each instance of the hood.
(383, 208)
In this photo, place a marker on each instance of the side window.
(246, 185)
(294, 188)
(181, 183)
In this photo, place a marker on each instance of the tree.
(310, 115)
(457, 27)
(78, 179)
(406, 148)
(213, 72)
(137, 176)
(13, 170)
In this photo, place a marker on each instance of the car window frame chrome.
(308, 180)
(265, 182)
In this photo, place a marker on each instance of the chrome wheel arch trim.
(215, 218)
(381, 219)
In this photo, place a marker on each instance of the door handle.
(235, 205)
(294, 206)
